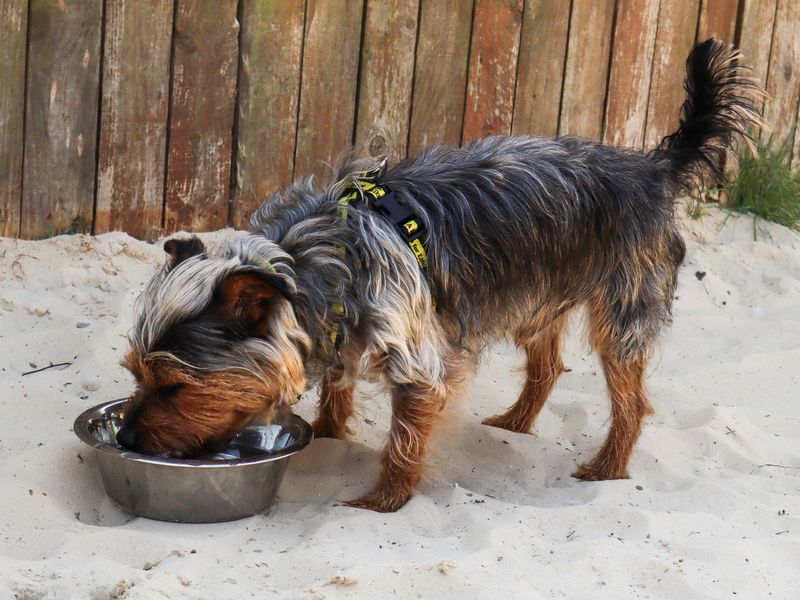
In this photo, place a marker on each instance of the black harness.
(383, 200)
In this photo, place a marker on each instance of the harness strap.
(383, 200)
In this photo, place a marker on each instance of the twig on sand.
(773, 465)
(50, 366)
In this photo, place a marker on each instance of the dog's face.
(215, 345)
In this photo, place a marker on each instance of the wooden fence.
(151, 116)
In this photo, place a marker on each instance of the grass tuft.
(696, 208)
(766, 186)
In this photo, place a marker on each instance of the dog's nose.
(127, 436)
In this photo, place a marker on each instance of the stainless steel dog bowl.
(239, 482)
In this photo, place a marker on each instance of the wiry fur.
(720, 105)
(520, 231)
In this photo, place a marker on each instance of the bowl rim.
(81, 429)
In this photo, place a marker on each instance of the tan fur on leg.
(629, 406)
(335, 406)
(415, 410)
(543, 368)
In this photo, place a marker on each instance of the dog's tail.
(721, 104)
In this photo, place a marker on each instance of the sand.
(712, 509)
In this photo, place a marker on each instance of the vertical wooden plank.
(386, 78)
(13, 32)
(328, 92)
(269, 91)
(783, 77)
(204, 64)
(677, 24)
(718, 20)
(631, 68)
(542, 52)
(492, 68)
(133, 123)
(61, 117)
(586, 71)
(440, 79)
(755, 36)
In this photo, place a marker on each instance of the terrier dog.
(516, 233)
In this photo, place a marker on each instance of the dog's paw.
(378, 502)
(503, 422)
(326, 429)
(591, 472)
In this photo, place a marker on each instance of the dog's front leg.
(415, 410)
(335, 405)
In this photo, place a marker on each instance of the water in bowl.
(254, 440)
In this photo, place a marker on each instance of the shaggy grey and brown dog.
(520, 232)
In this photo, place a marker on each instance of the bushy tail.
(721, 104)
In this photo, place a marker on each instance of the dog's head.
(215, 344)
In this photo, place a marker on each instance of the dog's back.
(520, 224)
(516, 221)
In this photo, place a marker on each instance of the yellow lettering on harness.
(419, 253)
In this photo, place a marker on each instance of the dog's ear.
(181, 249)
(245, 297)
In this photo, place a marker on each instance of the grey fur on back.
(514, 223)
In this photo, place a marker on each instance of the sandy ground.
(712, 509)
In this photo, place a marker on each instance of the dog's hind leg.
(543, 367)
(335, 404)
(622, 342)
(625, 320)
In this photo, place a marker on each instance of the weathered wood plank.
(204, 66)
(677, 23)
(631, 68)
(440, 79)
(542, 52)
(133, 126)
(583, 100)
(386, 78)
(269, 92)
(13, 31)
(61, 117)
(328, 93)
(755, 37)
(783, 78)
(492, 75)
(718, 20)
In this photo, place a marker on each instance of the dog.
(518, 232)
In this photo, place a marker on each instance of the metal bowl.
(241, 481)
